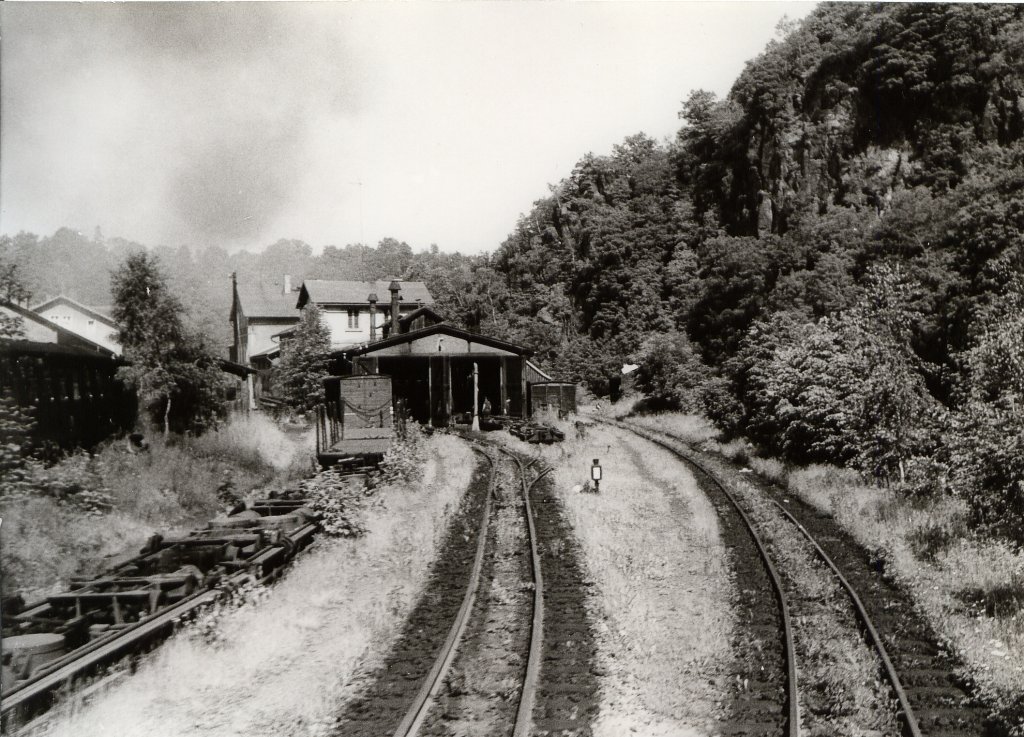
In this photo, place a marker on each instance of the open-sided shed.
(431, 370)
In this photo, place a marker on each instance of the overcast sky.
(237, 124)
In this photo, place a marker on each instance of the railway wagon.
(74, 396)
(356, 423)
(557, 395)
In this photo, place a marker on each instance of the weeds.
(78, 515)
(337, 501)
(206, 626)
(404, 459)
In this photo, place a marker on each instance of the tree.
(303, 368)
(671, 373)
(16, 424)
(170, 368)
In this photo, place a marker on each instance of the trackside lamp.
(595, 474)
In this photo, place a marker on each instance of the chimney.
(287, 284)
(372, 299)
(394, 288)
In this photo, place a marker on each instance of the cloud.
(238, 123)
(186, 122)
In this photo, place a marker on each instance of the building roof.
(444, 328)
(268, 301)
(60, 335)
(41, 348)
(325, 292)
(405, 320)
(95, 312)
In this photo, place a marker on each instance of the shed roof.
(439, 328)
(41, 348)
(326, 292)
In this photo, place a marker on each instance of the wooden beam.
(503, 381)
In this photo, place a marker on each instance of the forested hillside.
(827, 261)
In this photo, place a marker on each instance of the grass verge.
(283, 662)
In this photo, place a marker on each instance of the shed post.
(503, 382)
(476, 397)
(526, 405)
(446, 382)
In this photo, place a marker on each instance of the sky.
(236, 124)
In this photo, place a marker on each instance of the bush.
(336, 499)
(671, 372)
(404, 459)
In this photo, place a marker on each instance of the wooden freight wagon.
(559, 396)
(356, 424)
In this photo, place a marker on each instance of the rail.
(420, 707)
(911, 727)
(417, 712)
(909, 719)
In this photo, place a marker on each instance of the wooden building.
(431, 370)
(72, 393)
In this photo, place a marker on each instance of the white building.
(92, 323)
(358, 312)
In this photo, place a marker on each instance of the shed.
(432, 371)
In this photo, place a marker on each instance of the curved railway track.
(932, 703)
(756, 707)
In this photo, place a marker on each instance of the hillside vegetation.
(827, 261)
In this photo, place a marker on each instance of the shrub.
(404, 458)
(671, 372)
(336, 501)
(934, 538)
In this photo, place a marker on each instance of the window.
(353, 319)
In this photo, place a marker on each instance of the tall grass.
(170, 487)
(283, 663)
(970, 588)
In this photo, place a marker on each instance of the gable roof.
(262, 300)
(45, 329)
(96, 313)
(417, 313)
(440, 327)
(325, 292)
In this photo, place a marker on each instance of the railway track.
(920, 676)
(478, 654)
(765, 683)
